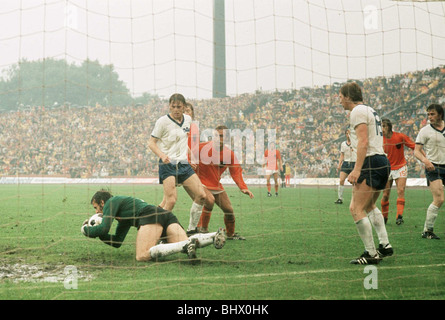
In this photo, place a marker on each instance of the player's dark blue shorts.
(375, 170)
(437, 173)
(347, 167)
(181, 171)
(153, 215)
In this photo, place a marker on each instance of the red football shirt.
(394, 149)
(211, 167)
(272, 159)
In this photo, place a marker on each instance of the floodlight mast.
(219, 49)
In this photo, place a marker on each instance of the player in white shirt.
(348, 155)
(430, 150)
(369, 175)
(169, 141)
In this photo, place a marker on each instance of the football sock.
(431, 215)
(204, 239)
(276, 188)
(268, 187)
(340, 191)
(385, 208)
(195, 214)
(364, 229)
(204, 220)
(229, 221)
(165, 249)
(400, 206)
(376, 218)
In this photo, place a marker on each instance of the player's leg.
(178, 241)
(341, 187)
(175, 233)
(275, 178)
(401, 185)
(162, 204)
(176, 237)
(191, 195)
(193, 208)
(384, 202)
(204, 220)
(268, 185)
(378, 222)
(218, 239)
(162, 224)
(436, 188)
(170, 193)
(195, 187)
(147, 237)
(223, 201)
(362, 197)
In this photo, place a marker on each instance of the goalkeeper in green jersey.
(153, 224)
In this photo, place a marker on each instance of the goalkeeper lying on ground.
(153, 224)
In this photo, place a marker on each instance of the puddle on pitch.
(20, 272)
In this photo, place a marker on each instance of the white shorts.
(214, 192)
(270, 172)
(399, 173)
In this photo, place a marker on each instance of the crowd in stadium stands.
(98, 141)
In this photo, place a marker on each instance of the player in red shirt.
(273, 163)
(194, 130)
(393, 144)
(214, 160)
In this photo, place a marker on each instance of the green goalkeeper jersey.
(126, 211)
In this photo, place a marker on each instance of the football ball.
(95, 220)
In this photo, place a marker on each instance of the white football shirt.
(367, 115)
(349, 153)
(433, 142)
(173, 137)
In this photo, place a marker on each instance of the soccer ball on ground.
(95, 220)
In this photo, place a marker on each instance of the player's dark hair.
(101, 195)
(224, 129)
(177, 97)
(189, 105)
(387, 123)
(438, 108)
(353, 91)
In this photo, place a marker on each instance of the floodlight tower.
(219, 49)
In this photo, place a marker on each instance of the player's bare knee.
(170, 203)
(438, 202)
(143, 257)
(201, 198)
(354, 210)
(209, 203)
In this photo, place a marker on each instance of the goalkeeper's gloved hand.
(84, 225)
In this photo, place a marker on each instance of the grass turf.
(298, 246)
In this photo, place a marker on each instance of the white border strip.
(411, 182)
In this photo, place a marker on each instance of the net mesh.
(83, 84)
